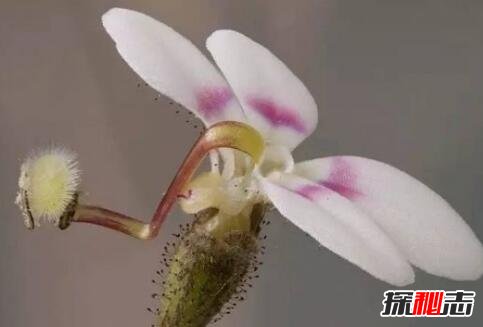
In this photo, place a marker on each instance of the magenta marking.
(277, 115)
(310, 191)
(342, 179)
(212, 101)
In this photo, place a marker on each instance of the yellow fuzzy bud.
(47, 185)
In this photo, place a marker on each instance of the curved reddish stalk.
(234, 135)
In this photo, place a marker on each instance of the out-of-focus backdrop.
(398, 81)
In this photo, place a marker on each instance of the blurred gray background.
(398, 81)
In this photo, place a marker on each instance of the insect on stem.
(227, 134)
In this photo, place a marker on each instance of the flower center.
(276, 158)
(236, 188)
(213, 190)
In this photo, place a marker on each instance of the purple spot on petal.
(342, 179)
(212, 101)
(310, 191)
(276, 115)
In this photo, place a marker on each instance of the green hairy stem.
(208, 266)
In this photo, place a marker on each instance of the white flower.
(372, 214)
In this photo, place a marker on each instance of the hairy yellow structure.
(47, 185)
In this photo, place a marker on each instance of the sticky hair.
(203, 274)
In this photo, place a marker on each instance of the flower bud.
(48, 188)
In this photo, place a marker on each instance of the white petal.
(172, 65)
(338, 225)
(426, 228)
(274, 100)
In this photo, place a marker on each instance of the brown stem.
(226, 134)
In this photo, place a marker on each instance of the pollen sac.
(208, 266)
(48, 188)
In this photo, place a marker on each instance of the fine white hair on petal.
(335, 223)
(274, 100)
(48, 183)
(172, 65)
(430, 233)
